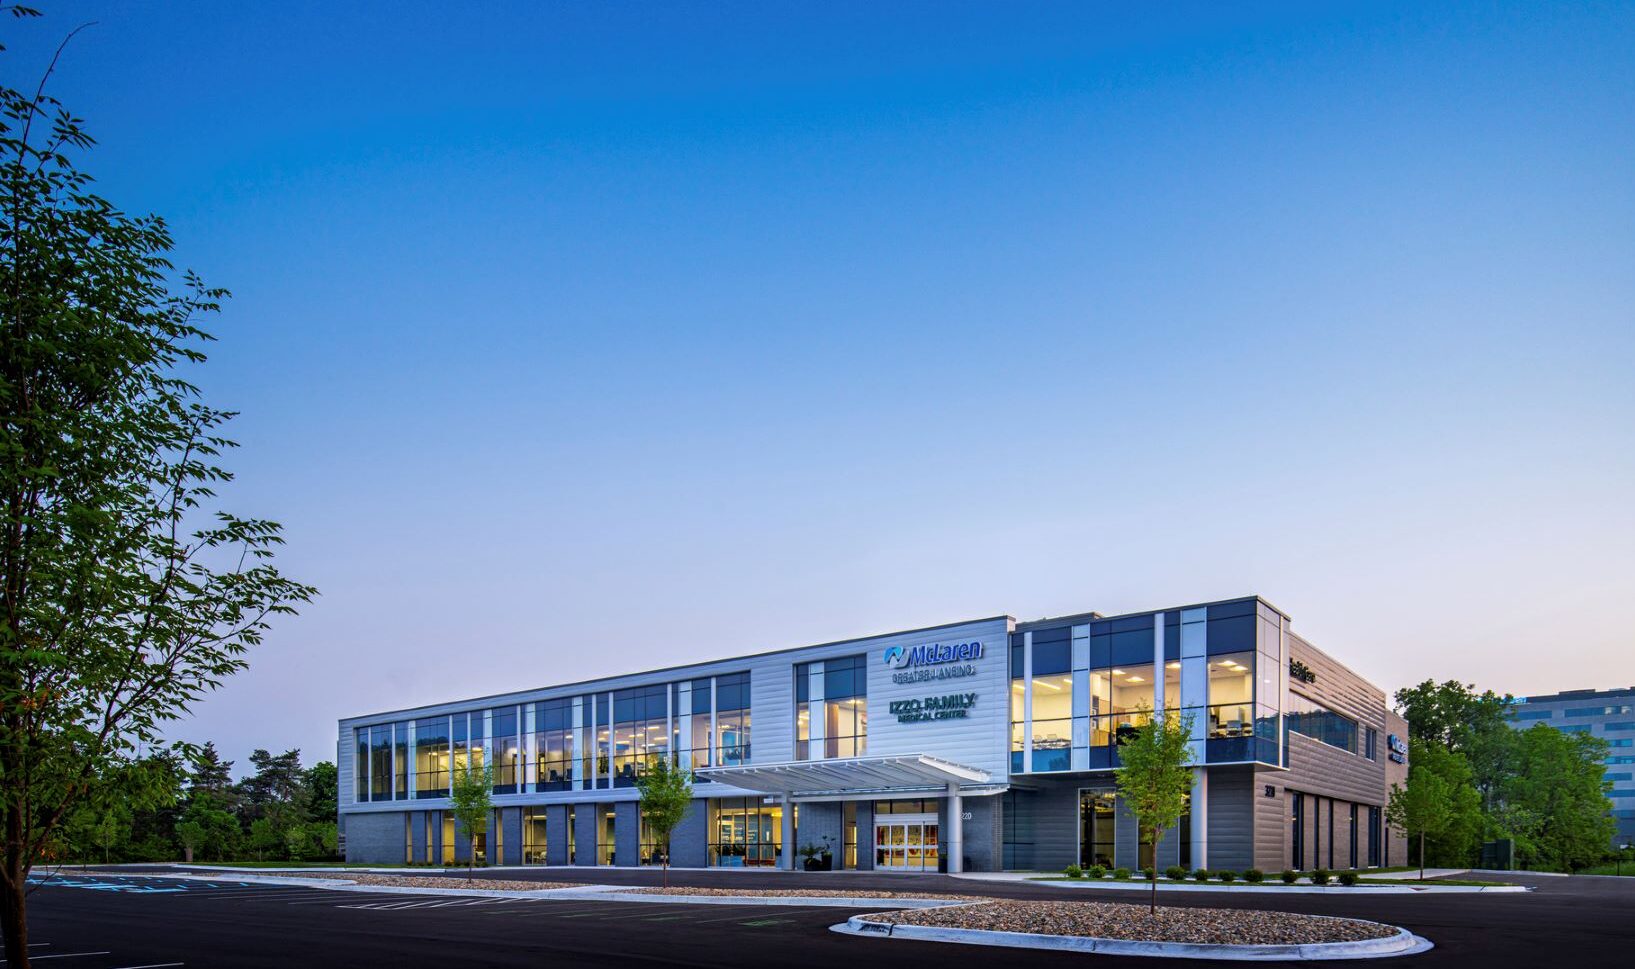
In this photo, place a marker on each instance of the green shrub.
(1254, 876)
(1121, 873)
(1175, 873)
(1319, 876)
(1348, 878)
(1097, 871)
(1073, 871)
(1201, 875)
(1290, 876)
(1226, 875)
(1146, 874)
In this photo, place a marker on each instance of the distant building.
(1609, 714)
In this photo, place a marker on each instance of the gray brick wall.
(375, 839)
(511, 840)
(689, 842)
(817, 822)
(626, 834)
(585, 819)
(865, 835)
(556, 834)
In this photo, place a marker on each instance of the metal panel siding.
(1271, 836)
(1318, 768)
(1055, 821)
(977, 740)
(1231, 818)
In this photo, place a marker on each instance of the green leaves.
(126, 593)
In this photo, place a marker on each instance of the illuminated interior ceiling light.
(1118, 672)
(1137, 679)
(1048, 685)
(1172, 665)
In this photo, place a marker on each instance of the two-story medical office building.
(976, 745)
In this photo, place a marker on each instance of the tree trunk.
(187, 854)
(1152, 899)
(14, 914)
(1422, 855)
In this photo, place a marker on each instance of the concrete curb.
(1400, 944)
(583, 893)
(1359, 889)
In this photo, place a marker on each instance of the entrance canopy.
(850, 776)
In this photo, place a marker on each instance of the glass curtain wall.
(507, 755)
(605, 841)
(732, 719)
(553, 745)
(604, 739)
(1019, 686)
(744, 832)
(641, 731)
(1310, 718)
(653, 847)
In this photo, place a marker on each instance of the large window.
(690, 736)
(603, 741)
(744, 832)
(641, 731)
(606, 829)
(1096, 819)
(844, 708)
(507, 751)
(360, 763)
(1231, 711)
(1310, 718)
(533, 836)
(732, 718)
(431, 757)
(1052, 701)
(1131, 695)
(553, 745)
(468, 741)
(400, 764)
(653, 848)
(380, 763)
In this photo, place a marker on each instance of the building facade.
(977, 745)
(1608, 714)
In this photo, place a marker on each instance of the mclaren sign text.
(934, 661)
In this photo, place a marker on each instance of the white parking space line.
(63, 955)
(152, 965)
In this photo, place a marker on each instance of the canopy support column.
(955, 838)
(787, 859)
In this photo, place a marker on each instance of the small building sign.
(954, 706)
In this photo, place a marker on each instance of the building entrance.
(906, 842)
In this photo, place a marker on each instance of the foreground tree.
(1475, 726)
(1455, 844)
(125, 595)
(1155, 779)
(470, 803)
(667, 792)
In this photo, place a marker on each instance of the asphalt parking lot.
(102, 920)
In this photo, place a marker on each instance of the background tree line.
(1542, 788)
(182, 804)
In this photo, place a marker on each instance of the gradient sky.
(581, 339)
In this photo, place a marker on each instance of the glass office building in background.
(980, 745)
(1608, 714)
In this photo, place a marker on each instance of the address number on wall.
(965, 815)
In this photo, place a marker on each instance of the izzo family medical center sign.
(934, 661)
(950, 707)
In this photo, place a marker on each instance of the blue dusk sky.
(580, 339)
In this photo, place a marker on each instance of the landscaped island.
(1112, 920)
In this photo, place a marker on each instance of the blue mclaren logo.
(902, 657)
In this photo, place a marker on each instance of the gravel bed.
(1110, 920)
(795, 893)
(435, 881)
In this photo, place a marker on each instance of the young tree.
(1423, 808)
(470, 804)
(110, 828)
(191, 835)
(126, 594)
(667, 792)
(1456, 843)
(1155, 778)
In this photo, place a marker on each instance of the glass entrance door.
(907, 842)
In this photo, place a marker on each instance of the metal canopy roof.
(814, 777)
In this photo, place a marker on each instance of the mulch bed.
(1111, 920)
(793, 893)
(435, 881)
